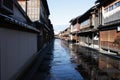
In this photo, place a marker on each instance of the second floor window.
(110, 8)
(85, 23)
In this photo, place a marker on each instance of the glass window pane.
(118, 3)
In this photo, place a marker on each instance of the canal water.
(73, 62)
(62, 68)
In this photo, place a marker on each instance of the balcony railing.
(112, 22)
(111, 46)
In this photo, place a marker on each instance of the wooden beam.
(23, 0)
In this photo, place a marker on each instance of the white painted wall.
(112, 15)
(16, 48)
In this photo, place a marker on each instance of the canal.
(74, 62)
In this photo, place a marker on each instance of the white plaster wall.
(112, 15)
(16, 48)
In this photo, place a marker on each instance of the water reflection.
(73, 62)
(61, 66)
(42, 69)
(95, 66)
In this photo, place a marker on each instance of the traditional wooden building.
(38, 12)
(44, 25)
(99, 26)
(19, 36)
(64, 35)
(84, 28)
(75, 27)
(88, 33)
(109, 27)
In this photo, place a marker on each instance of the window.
(33, 8)
(118, 3)
(111, 8)
(115, 6)
(106, 10)
(86, 22)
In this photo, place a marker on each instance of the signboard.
(118, 28)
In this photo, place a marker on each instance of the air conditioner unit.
(6, 6)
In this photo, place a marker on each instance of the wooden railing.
(110, 45)
(112, 22)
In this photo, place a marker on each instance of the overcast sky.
(62, 11)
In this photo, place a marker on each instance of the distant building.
(88, 33)
(46, 26)
(84, 28)
(75, 27)
(64, 35)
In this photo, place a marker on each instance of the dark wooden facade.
(21, 38)
(109, 27)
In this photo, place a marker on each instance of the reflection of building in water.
(64, 44)
(110, 66)
(94, 66)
